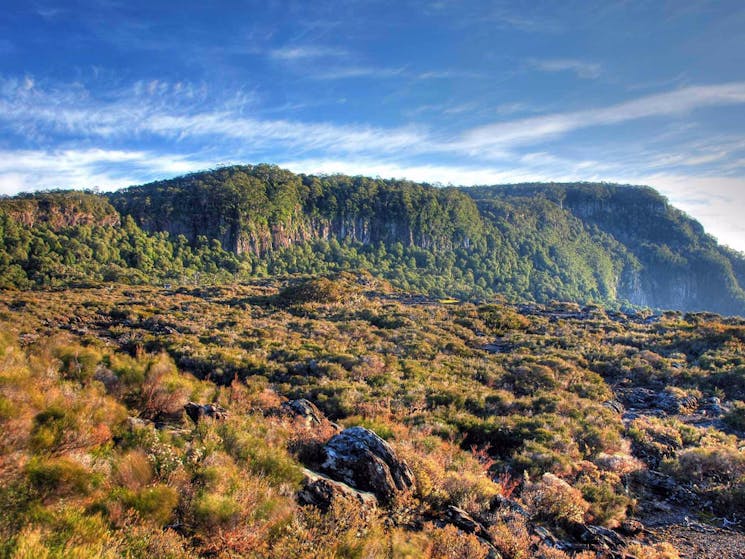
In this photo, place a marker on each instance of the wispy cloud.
(25, 170)
(351, 71)
(307, 52)
(536, 129)
(160, 109)
(583, 69)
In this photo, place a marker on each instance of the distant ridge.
(582, 242)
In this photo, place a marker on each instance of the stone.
(603, 538)
(198, 411)
(305, 410)
(631, 527)
(320, 491)
(465, 522)
(361, 459)
(615, 406)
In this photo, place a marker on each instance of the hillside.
(336, 416)
(607, 244)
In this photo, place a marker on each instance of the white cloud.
(306, 52)
(27, 170)
(715, 201)
(536, 129)
(583, 69)
(158, 108)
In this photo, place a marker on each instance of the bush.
(212, 510)
(58, 476)
(735, 417)
(554, 499)
(154, 504)
(718, 465)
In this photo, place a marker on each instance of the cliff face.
(258, 209)
(572, 242)
(676, 264)
(59, 210)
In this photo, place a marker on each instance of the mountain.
(601, 243)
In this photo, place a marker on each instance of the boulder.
(712, 406)
(198, 411)
(602, 538)
(675, 401)
(465, 522)
(304, 410)
(615, 406)
(631, 527)
(501, 503)
(361, 459)
(320, 491)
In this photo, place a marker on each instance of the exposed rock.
(464, 521)
(712, 406)
(198, 411)
(108, 378)
(639, 398)
(658, 483)
(499, 502)
(602, 538)
(675, 402)
(614, 405)
(631, 527)
(305, 410)
(320, 491)
(360, 458)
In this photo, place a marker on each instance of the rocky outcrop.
(197, 412)
(465, 522)
(320, 491)
(361, 459)
(304, 411)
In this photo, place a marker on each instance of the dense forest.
(608, 244)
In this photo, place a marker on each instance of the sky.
(108, 93)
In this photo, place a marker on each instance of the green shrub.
(735, 417)
(155, 504)
(212, 510)
(58, 476)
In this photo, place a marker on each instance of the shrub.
(78, 363)
(154, 504)
(735, 417)
(702, 464)
(58, 476)
(554, 499)
(134, 470)
(451, 543)
(511, 537)
(212, 510)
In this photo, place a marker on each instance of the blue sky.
(110, 93)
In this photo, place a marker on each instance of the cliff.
(589, 243)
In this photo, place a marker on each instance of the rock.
(631, 527)
(638, 398)
(614, 405)
(712, 406)
(320, 491)
(305, 410)
(464, 521)
(197, 411)
(499, 502)
(360, 458)
(676, 401)
(658, 483)
(547, 537)
(598, 538)
(108, 378)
